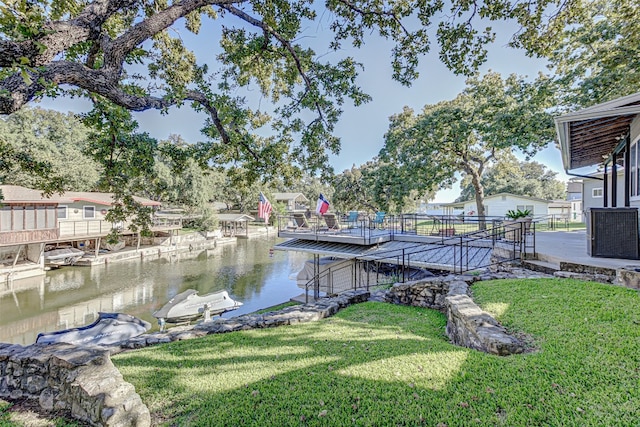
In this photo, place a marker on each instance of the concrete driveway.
(571, 246)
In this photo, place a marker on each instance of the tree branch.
(379, 13)
(283, 41)
(116, 52)
(57, 36)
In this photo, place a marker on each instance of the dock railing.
(473, 251)
(412, 224)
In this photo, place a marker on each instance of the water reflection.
(73, 296)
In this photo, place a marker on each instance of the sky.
(361, 129)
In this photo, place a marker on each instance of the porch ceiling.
(592, 141)
(589, 136)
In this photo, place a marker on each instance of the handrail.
(513, 237)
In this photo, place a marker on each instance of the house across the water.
(497, 205)
(32, 224)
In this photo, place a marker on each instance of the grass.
(25, 415)
(376, 364)
(569, 226)
(427, 227)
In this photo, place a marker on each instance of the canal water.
(73, 296)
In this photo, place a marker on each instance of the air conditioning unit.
(613, 233)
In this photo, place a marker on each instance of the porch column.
(614, 181)
(627, 172)
(605, 189)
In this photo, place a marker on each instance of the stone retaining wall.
(82, 382)
(87, 384)
(287, 316)
(467, 325)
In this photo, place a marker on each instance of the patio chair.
(352, 219)
(378, 221)
(300, 222)
(331, 221)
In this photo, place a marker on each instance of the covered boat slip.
(437, 256)
(352, 266)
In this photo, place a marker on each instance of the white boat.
(62, 256)
(108, 329)
(188, 306)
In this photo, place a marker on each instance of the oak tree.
(598, 58)
(510, 175)
(137, 55)
(44, 149)
(466, 134)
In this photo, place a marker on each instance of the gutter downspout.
(614, 182)
(582, 176)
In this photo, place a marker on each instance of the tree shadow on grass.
(377, 364)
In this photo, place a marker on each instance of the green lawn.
(569, 226)
(377, 364)
(431, 228)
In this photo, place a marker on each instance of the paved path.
(571, 246)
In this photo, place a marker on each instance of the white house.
(575, 188)
(560, 209)
(497, 205)
(83, 213)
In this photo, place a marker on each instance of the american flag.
(264, 208)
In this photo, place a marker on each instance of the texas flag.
(322, 206)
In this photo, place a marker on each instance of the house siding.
(588, 201)
(634, 130)
(498, 207)
(76, 224)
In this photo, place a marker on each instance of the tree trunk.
(477, 185)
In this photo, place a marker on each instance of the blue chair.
(352, 219)
(378, 221)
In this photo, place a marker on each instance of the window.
(89, 212)
(634, 169)
(596, 192)
(5, 218)
(29, 217)
(18, 218)
(41, 217)
(51, 216)
(62, 212)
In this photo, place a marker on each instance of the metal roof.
(425, 255)
(19, 194)
(235, 217)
